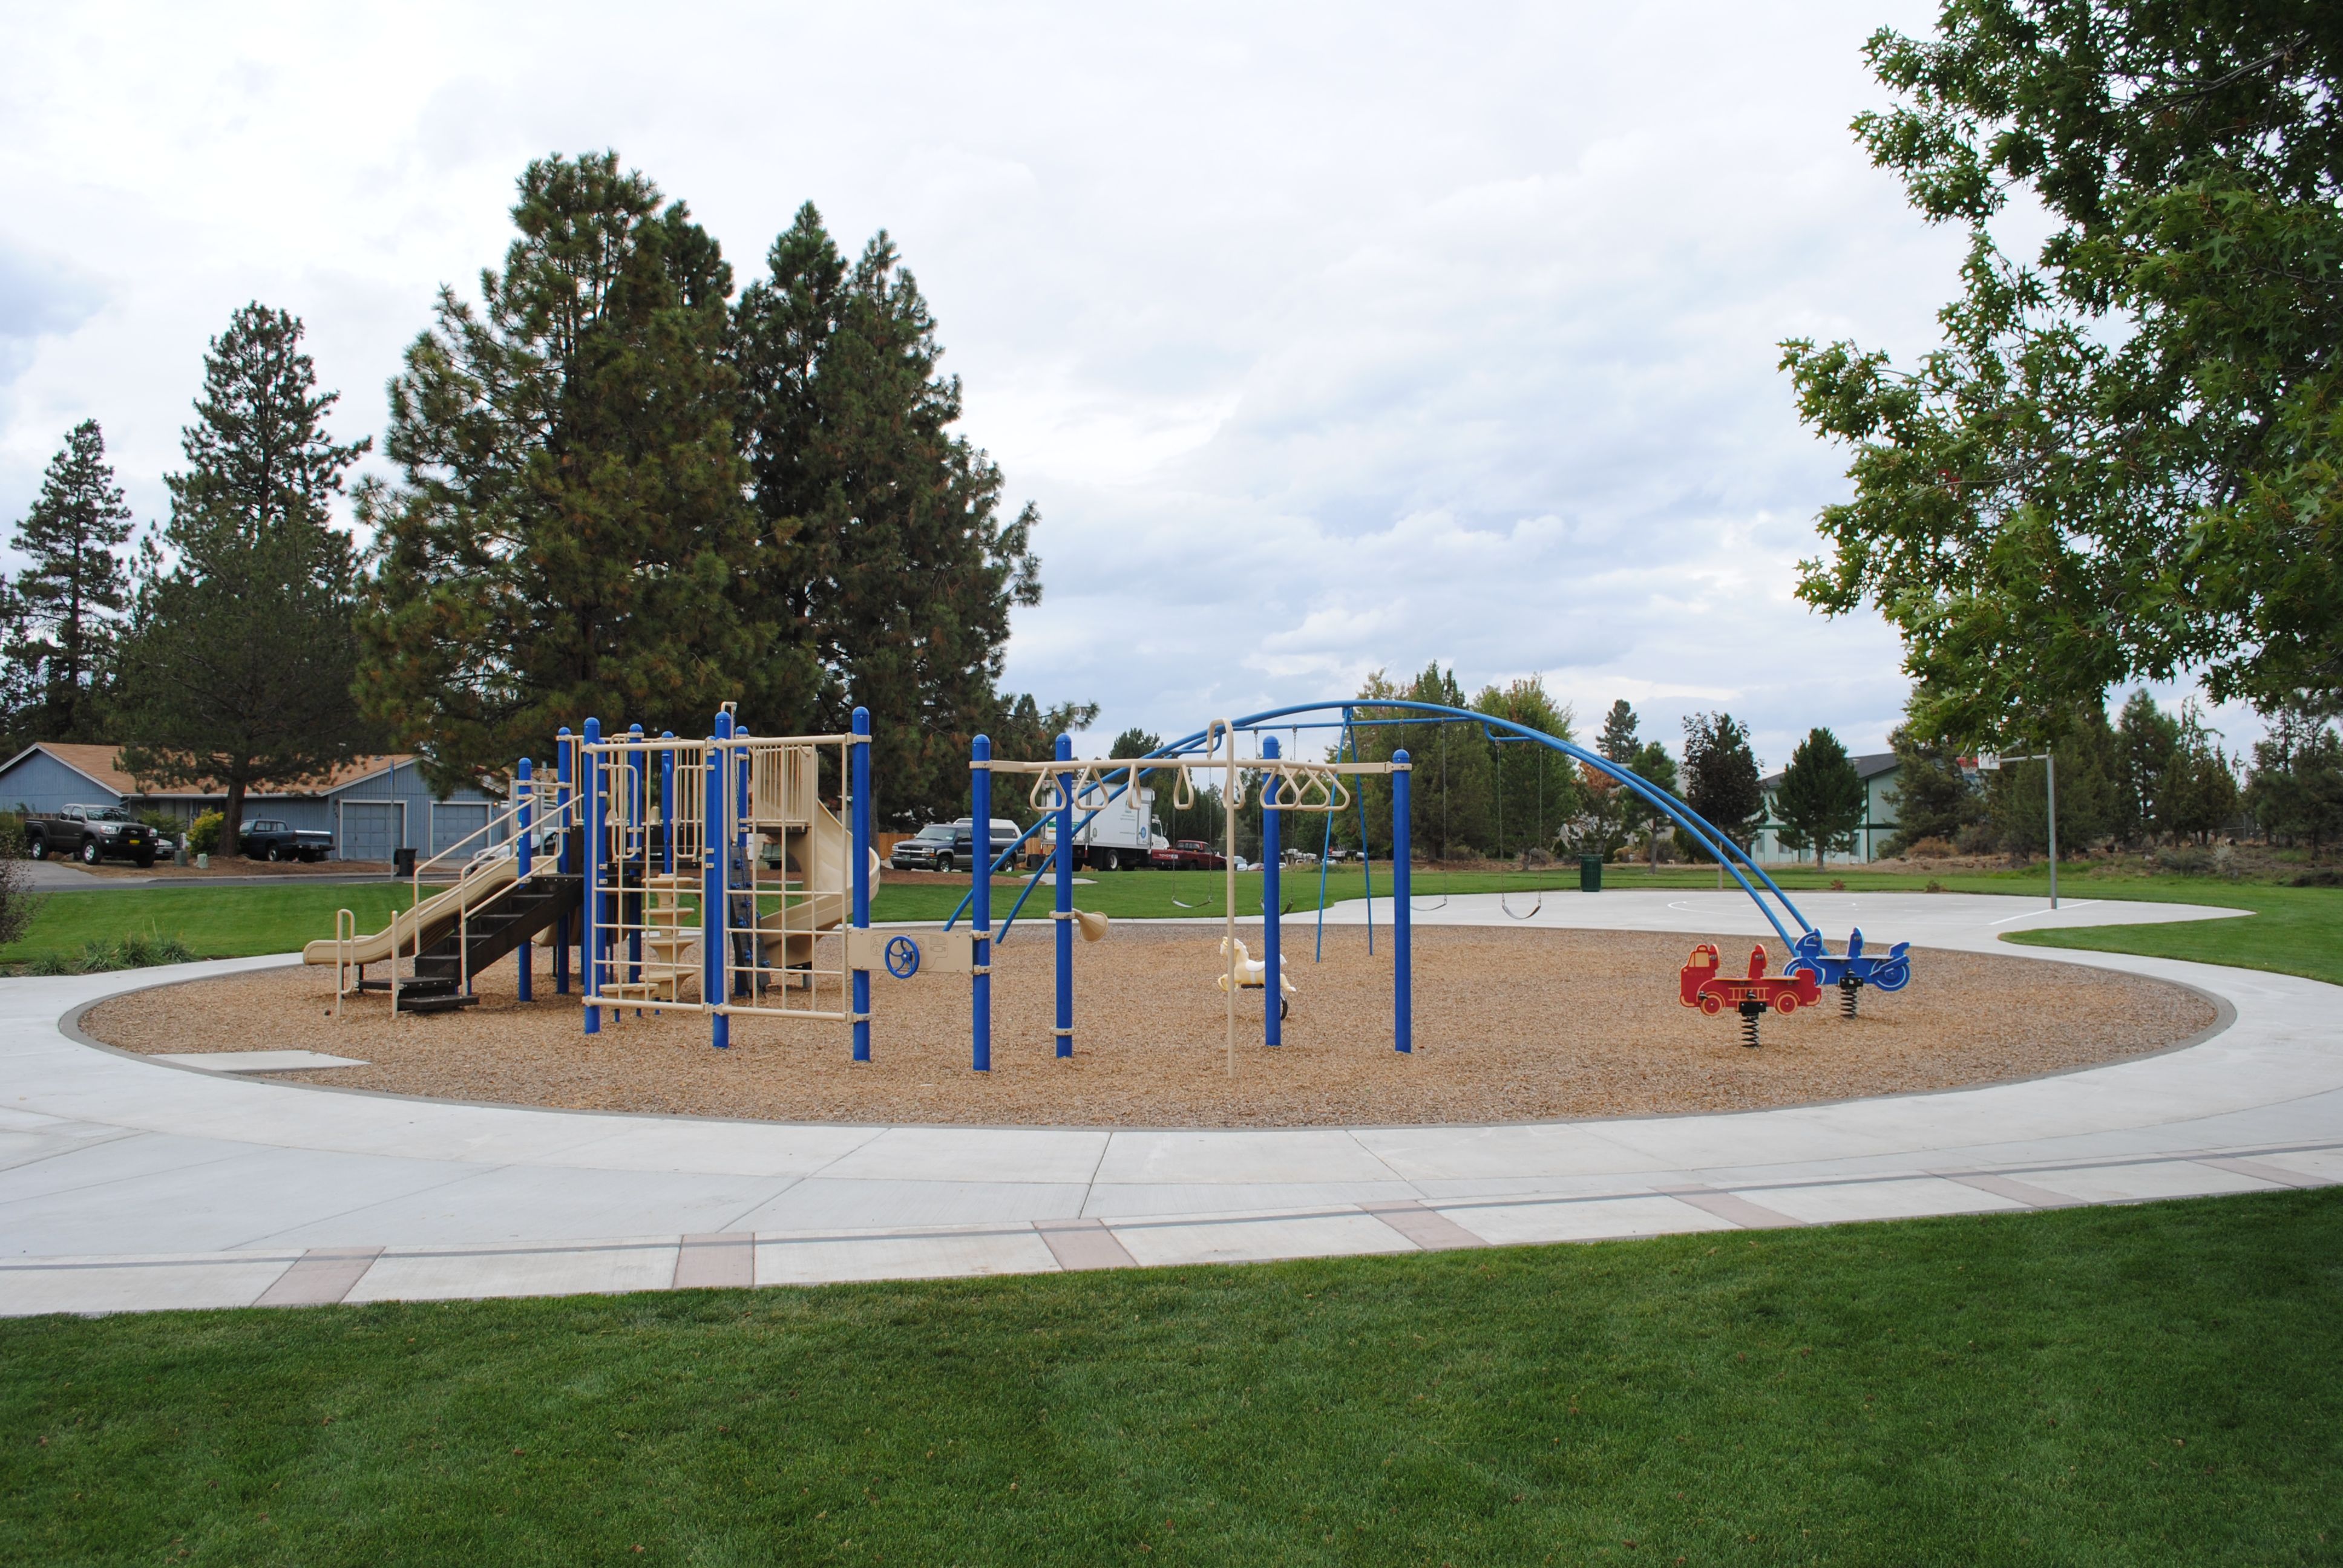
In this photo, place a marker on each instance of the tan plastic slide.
(430, 921)
(789, 932)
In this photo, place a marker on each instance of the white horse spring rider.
(1254, 975)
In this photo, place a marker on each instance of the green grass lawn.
(2300, 930)
(2150, 1384)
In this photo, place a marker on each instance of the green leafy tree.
(66, 605)
(1820, 800)
(236, 666)
(2125, 460)
(1134, 742)
(1452, 793)
(572, 534)
(1720, 774)
(885, 555)
(1532, 789)
(1934, 797)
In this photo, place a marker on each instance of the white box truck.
(1118, 838)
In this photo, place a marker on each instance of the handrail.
(471, 866)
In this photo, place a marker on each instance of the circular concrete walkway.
(128, 1183)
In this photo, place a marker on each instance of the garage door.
(370, 830)
(450, 821)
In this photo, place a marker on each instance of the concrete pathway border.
(128, 1184)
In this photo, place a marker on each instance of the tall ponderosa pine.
(886, 553)
(1820, 800)
(1935, 798)
(67, 603)
(571, 535)
(242, 645)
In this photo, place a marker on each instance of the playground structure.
(709, 874)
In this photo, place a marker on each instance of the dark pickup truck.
(90, 834)
(265, 839)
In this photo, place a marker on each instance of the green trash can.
(1590, 873)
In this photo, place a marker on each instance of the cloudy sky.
(1327, 338)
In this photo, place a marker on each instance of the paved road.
(126, 1183)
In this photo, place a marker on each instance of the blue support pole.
(980, 903)
(637, 846)
(564, 860)
(1366, 844)
(525, 862)
(1402, 926)
(589, 936)
(666, 803)
(715, 938)
(1272, 1026)
(1065, 913)
(861, 749)
(736, 837)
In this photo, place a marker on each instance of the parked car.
(919, 852)
(961, 855)
(1187, 855)
(90, 834)
(265, 839)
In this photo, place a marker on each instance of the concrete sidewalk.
(126, 1183)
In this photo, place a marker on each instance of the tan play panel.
(1510, 1026)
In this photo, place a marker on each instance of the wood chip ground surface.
(1511, 1026)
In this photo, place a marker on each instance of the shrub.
(1930, 849)
(1978, 838)
(164, 824)
(2187, 859)
(1838, 884)
(19, 902)
(1933, 885)
(204, 833)
(97, 958)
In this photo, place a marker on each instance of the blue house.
(373, 806)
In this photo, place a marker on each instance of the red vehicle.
(1703, 985)
(1187, 855)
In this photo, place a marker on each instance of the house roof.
(100, 765)
(1867, 768)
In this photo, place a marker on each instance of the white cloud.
(1329, 339)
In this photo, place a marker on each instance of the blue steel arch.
(1704, 833)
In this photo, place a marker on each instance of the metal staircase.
(522, 912)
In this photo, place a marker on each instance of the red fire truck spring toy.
(1702, 985)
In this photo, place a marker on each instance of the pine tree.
(1933, 798)
(65, 606)
(2147, 741)
(242, 647)
(885, 551)
(1619, 743)
(1655, 767)
(1820, 800)
(570, 535)
(1720, 780)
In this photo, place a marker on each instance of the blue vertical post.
(979, 857)
(861, 774)
(666, 803)
(1065, 921)
(590, 907)
(563, 861)
(630, 905)
(1402, 926)
(737, 838)
(715, 938)
(1272, 1027)
(525, 862)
